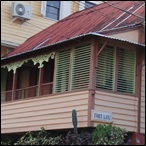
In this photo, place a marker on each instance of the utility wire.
(59, 30)
(123, 10)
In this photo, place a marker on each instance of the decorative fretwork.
(38, 59)
(13, 66)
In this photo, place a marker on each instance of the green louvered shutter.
(105, 72)
(80, 67)
(126, 71)
(62, 71)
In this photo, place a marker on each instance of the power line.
(123, 10)
(53, 32)
(98, 10)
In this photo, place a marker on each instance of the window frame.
(64, 10)
(115, 80)
(89, 3)
(54, 7)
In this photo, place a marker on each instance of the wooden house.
(22, 19)
(92, 61)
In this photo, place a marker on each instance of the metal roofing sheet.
(59, 42)
(89, 20)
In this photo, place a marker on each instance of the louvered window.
(62, 71)
(80, 67)
(105, 71)
(126, 71)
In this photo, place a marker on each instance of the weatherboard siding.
(142, 117)
(17, 31)
(122, 107)
(50, 112)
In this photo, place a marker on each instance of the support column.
(92, 82)
(40, 81)
(14, 85)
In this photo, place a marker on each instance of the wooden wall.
(122, 107)
(50, 112)
(17, 31)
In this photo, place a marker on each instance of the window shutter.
(65, 9)
(105, 71)
(43, 7)
(80, 67)
(126, 71)
(62, 71)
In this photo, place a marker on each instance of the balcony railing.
(6, 96)
(26, 92)
(32, 91)
(47, 88)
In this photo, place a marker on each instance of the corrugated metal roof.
(84, 22)
(80, 36)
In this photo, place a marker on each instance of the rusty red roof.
(97, 19)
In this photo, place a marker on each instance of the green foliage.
(74, 120)
(5, 143)
(40, 138)
(84, 138)
(108, 135)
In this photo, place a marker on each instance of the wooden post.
(14, 85)
(40, 81)
(92, 81)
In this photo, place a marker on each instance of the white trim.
(43, 7)
(95, 2)
(65, 9)
(82, 5)
(9, 44)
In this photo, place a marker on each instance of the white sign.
(101, 116)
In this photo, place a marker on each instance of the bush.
(84, 138)
(40, 138)
(5, 143)
(108, 135)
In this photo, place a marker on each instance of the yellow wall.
(50, 112)
(17, 31)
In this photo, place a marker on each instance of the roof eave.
(70, 39)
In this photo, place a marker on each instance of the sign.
(101, 116)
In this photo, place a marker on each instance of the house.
(22, 19)
(92, 61)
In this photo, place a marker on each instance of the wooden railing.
(6, 96)
(46, 88)
(26, 92)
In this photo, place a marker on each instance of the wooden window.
(52, 9)
(88, 4)
(80, 67)
(62, 67)
(56, 10)
(126, 71)
(106, 72)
